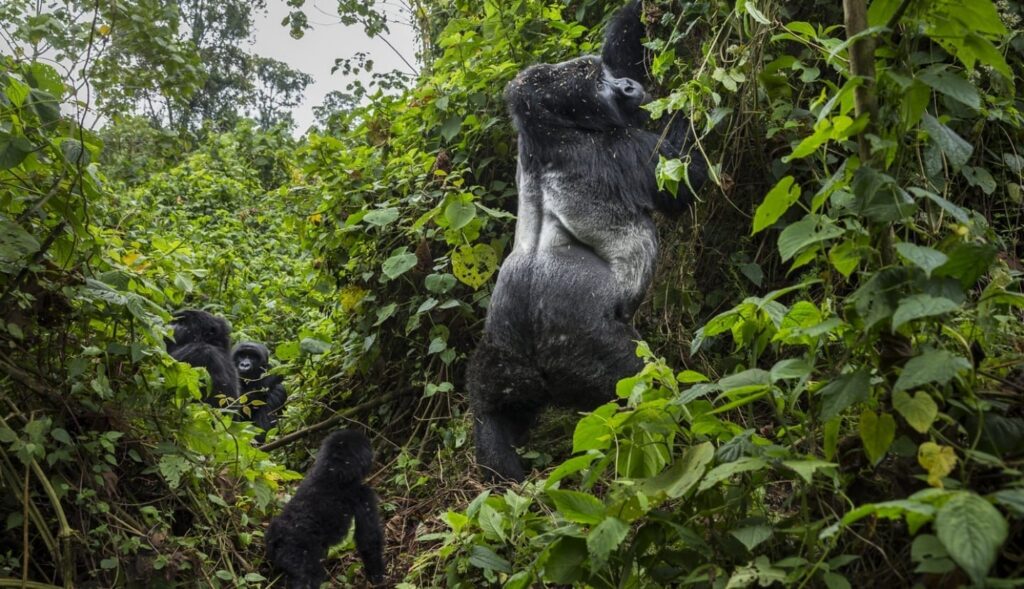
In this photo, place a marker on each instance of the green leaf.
(381, 217)
(968, 262)
(923, 257)
(459, 213)
(810, 230)
(807, 468)
(313, 346)
(843, 392)
(938, 366)
(729, 469)
(13, 150)
(578, 507)
(605, 538)
(564, 562)
(398, 264)
(474, 265)
(752, 536)
(491, 522)
(955, 148)
(972, 530)
(1011, 499)
(919, 411)
(451, 127)
(779, 199)
(952, 85)
(593, 432)
(684, 473)
(46, 107)
(919, 306)
(483, 557)
(877, 433)
(439, 283)
(845, 257)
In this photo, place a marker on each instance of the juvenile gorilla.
(557, 327)
(324, 506)
(203, 340)
(252, 359)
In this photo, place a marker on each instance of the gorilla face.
(251, 360)
(580, 93)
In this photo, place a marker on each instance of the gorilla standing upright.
(203, 340)
(557, 327)
(252, 359)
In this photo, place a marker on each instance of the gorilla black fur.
(203, 340)
(251, 360)
(557, 328)
(325, 504)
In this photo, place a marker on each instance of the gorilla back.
(557, 329)
(203, 340)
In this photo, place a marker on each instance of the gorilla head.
(204, 341)
(193, 326)
(251, 360)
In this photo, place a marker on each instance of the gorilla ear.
(623, 52)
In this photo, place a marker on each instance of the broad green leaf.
(957, 212)
(13, 150)
(807, 468)
(938, 366)
(835, 581)
(810, 144)
(843, 392)
(313, 346)
(593, 432)
(973, 531)
(474, 265)
(1012, 500)
(952, 85)
(398, 264)
(955, 148)
(483, 557)
(789, 369)
(605, 538)
(919, 411)
(937, 460)
(751, 536)
(681, 477)
(810, 230)
(459, 213)
(729, 469)
(919, 306)
(564, 562)
(845, 257)
(381, 217)
(779, 199)
(439, 283)
(578, 507)
(923, 257)
(570, 466)
(451, 127)
(877, 433)
(491, 522)
(968, 262)
(46, 107)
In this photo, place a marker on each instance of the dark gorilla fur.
(325, 504)
(251, 360)
(558, 325)
(203, 340)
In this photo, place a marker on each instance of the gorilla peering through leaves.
(252, 359)
(557, 329)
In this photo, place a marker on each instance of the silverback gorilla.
(557, 329)
(252, 359)
(327, 501)
(203, 340)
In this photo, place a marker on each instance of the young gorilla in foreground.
(325, 504)
(557, 329)
(203, 340)
(252, 359)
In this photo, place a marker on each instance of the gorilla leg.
(369, 537)
(584, 368)
(506, 392)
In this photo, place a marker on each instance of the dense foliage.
(833, 382)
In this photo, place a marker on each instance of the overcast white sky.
(326, 41)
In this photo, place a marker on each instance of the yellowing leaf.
(315, 218)
(937, 460)
(129, 258)
(351, 296)
(103, 30)
(474, 265)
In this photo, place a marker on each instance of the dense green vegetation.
(834, 346)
